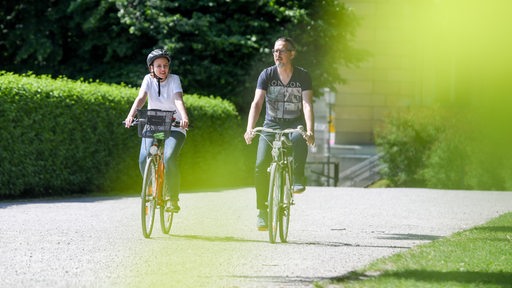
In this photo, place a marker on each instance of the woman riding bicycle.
(163, 91)
(288, 93)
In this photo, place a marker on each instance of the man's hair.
(288, 41)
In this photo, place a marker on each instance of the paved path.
(97, 242)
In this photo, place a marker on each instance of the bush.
(448, 160)
(63, 137)
(58, 135)
(405, 141)
(444, 149)
(215, 153)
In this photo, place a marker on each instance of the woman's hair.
(288, 41)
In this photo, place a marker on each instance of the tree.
(326, 32)
(218, 46)
(79, 39)
(221, 46)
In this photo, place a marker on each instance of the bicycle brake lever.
(135, 122)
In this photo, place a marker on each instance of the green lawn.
(478, 257)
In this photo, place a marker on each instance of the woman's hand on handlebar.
(128, 122)
(184, 123)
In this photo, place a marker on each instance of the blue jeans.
(264, 158)
(172, 150)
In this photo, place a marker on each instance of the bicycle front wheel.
(165, 216)
(286, 203)
(274, 192)
(148, 198)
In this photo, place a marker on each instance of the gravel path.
(97, 242)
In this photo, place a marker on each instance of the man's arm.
(254, 113)
(307, 104)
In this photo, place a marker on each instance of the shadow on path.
(341, 244)
(241, 240)
(58, 200)
(212, 238)
(503, 279)
(410, 237)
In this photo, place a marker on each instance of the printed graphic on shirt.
(284, 101)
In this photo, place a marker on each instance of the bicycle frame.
(280, 197)
(160, 168)
(281, 142)
(281, 150)
(155, 124)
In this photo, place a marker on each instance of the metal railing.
(362, 174)
(325, 173)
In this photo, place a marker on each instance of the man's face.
(282, 54)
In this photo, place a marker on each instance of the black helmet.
(157, 53)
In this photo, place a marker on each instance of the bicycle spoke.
(165, 216)
(286, 202)
(148, 199)
(273, 202)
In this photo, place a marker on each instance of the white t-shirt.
(166, 100)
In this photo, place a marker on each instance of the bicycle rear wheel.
(274, 193)
(165, 217)
(286, 203)
(148, 198)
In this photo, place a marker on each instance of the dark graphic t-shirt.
(284, 101)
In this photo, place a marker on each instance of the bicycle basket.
(152, 121)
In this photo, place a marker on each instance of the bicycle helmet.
(157, 53)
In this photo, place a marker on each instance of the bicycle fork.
(286, 191)
(288, 176)
(160, 182)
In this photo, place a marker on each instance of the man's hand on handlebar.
(310, 138)
(249, 135)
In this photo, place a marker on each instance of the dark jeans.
(172, 150)
(264, 158)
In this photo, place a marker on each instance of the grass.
(380, 184)
(478, 257)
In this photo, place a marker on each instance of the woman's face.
(161, 67)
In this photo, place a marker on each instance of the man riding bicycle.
(287, 91)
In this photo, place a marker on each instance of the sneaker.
(174, 208)
(298, 188)
(262, 221)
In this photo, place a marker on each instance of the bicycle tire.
(286, 203)
(148, 198)
(274, 193)
(165, 217)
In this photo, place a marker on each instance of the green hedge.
(447, 149)
(404, 141)
(62, 137)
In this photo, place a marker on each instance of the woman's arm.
(137, 104)
(180, 105)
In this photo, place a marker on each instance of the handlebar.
(299, 129)
(136, 121)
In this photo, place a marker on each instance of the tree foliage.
(218, 46)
